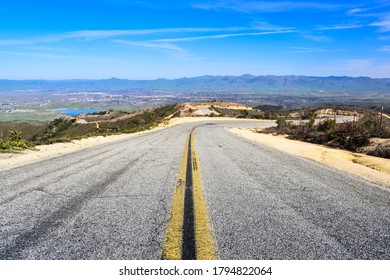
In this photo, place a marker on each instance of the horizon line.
(189, 77)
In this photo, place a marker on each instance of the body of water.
(75, 112)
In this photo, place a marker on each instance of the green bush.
(15, 141)
(326, 125)
(15, 135)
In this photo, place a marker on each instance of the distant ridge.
(291, 85)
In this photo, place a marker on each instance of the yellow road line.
(205, 243)
(173, 234)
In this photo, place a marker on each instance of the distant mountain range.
(288, 85)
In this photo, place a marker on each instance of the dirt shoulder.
(371, 168)
(42, 152)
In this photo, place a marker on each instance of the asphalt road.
(113, 201)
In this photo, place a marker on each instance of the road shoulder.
(43, 152)
(373, 169)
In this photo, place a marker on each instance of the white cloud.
(263, 25)
(384, 24)
(90, 35)
(354, 11)
(317, 38)
(41, 55)
(221, 36)
(14, 42)
(385, 49)
(340, 27)
(311, 50)
(104, 34)
(174, 50)
(47, 49)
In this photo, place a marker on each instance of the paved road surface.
(113, 201)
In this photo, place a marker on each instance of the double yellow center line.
(189, 234)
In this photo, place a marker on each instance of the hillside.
(82, 126)
(352, 128)
(112, 122)
(360, 130)
(286, 85)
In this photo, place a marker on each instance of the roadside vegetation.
(369, 133)
(240, 113)
(18, 136)
(14, 142)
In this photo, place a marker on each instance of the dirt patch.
(206, 108)
(371, 168)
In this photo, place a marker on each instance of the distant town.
(42, 100)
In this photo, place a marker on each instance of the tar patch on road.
(189, 234)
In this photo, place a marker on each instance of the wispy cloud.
(355, 11)
(385, 49)
(15, 42)
(167, 44)
(172, 49)
(369, 8)
(106, 34)
(41, 55)
(47, 49)
(89, 35)
(317, 38)
(161, 4)
(383, 24)
(82, 34)
(339, 27)
(266, 26)
(265, 6)
(311, 50)
(222, 36)
(102, 34)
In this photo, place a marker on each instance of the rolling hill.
(267, 85)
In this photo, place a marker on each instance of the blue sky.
(64, 39)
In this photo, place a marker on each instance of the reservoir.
(75, 112)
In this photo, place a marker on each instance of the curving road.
(114, 201)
